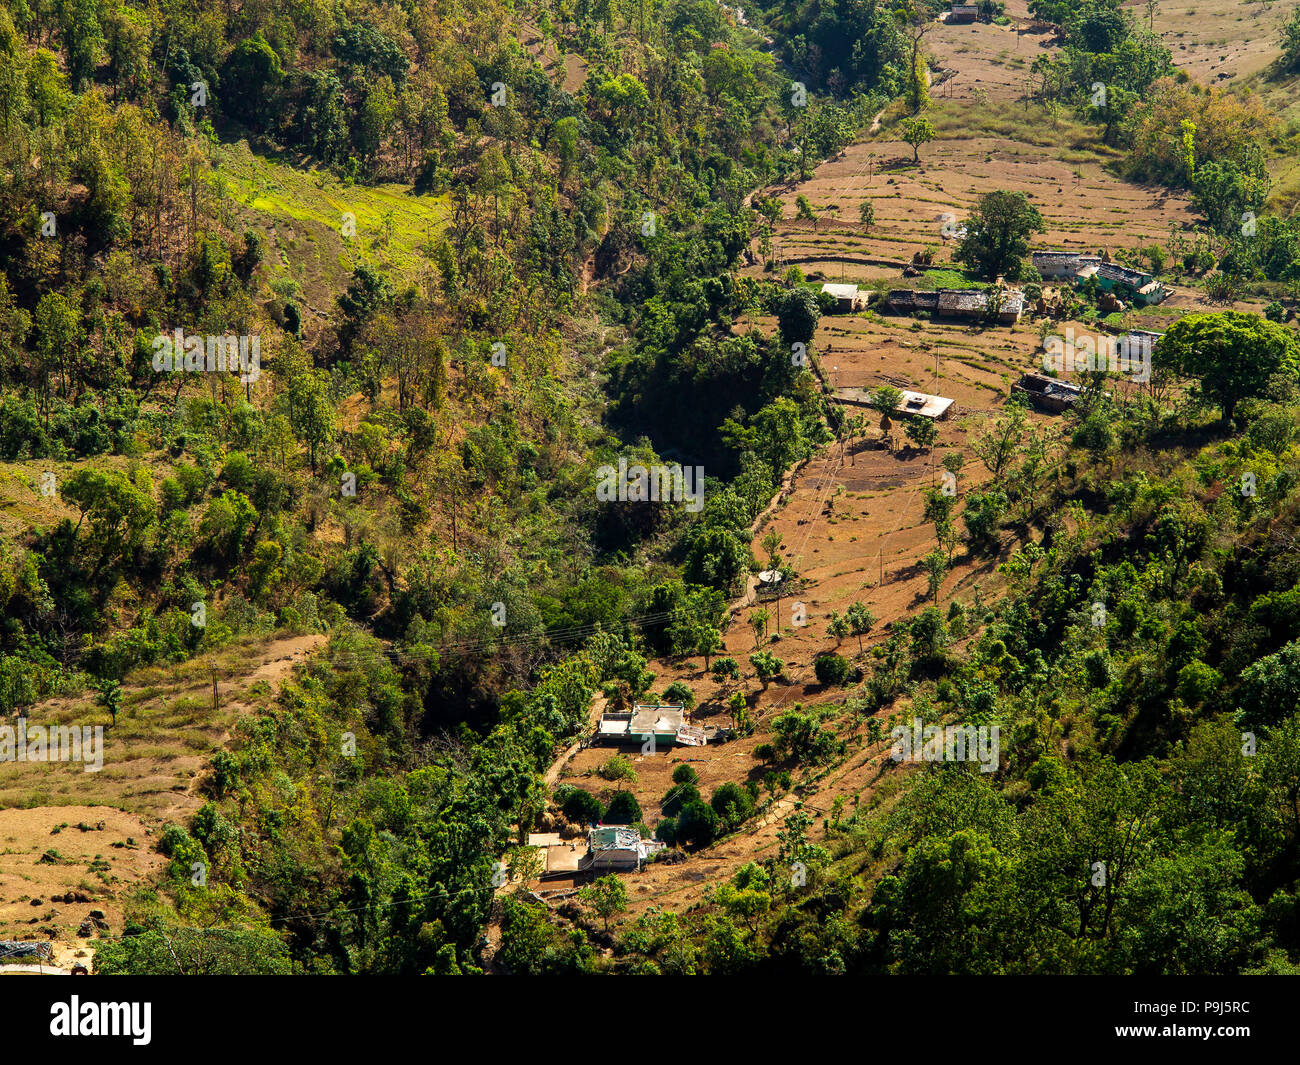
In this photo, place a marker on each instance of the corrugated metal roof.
(841, 292)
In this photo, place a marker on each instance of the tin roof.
(841, 292)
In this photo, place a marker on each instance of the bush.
(733, 804)
(832, 669)
(685, 774)
(679, 692)
(623, 809)
(666, 831)
(799, 736)
(677, 798)
(697, 826)
(581, 807)
(725, 668)
(617, 768)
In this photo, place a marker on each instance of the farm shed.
(963, 13)
(847, 298)
(1047, 393)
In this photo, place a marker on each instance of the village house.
(963, 13)
(915, 404)
(847, 298)
(971, 304)
(665, 723)
(617, 847)
(1136, 286)
(1064, 265)
(1047, 393)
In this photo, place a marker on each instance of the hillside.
(347, 623)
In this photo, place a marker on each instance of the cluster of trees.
(388, 474)
(688, 821)
(848, 48)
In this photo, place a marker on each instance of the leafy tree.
(804, 211)
(766, 665)
(935, 565)
(886, 399)
(581, 807)
(681, 793)
(998, 445)
(837, 626)
(312, 412)
(1233, 354)
(797, 313)
(983, 516)
(923, 432)
(1289, 39)
(860, 621)
(996, 234)
(708, 641)
(799, 736)
(697, 824)
(1270, 689)
(733, 804)
(250, 78)
(623, 809)
(194, 952)
(914, 132)
(607, 898)
(725, 669)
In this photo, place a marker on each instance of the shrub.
(581, 807)
(733, 804)
(685, 774)
(617, 768)
(799, 736)
(697, 825)
(623, 809)
(679, 692)
(725, 669)
(832, 669)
